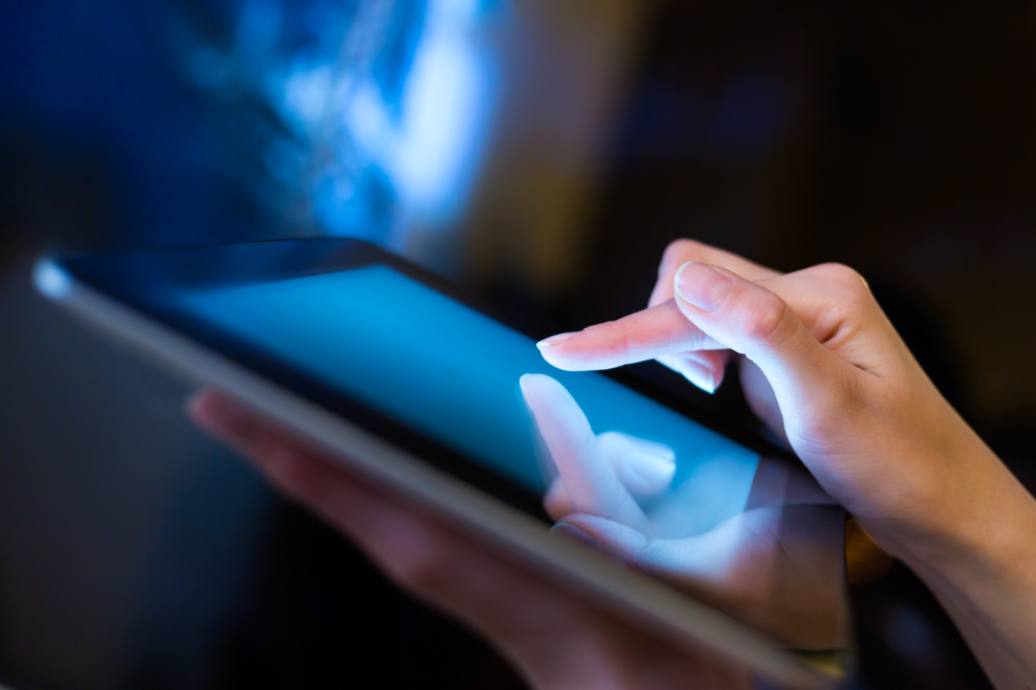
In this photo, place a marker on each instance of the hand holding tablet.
(556, 638)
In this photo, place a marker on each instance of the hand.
(824, 368)
(777, 565)
(821, 365)
(553, 637)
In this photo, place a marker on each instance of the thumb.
(756, 322)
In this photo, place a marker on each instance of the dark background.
(134, 553)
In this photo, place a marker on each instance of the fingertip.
(197, 405)
(560, 356)
(536, 385)
(553, 407)
(215, 412)
(554, 340)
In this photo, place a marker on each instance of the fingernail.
(575, 532)
(554, 340)
(702, 286)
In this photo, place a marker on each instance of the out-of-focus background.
(540, 153)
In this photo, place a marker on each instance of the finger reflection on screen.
(777, 564)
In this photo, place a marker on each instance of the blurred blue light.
(429, 151)
(360, 114)
(50, 280)
(433, 159)
(305, 92)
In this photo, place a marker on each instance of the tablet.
(713, 536)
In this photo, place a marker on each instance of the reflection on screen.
(452, 373)
(639, 480)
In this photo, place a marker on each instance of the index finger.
(590, 480)
(641, 336)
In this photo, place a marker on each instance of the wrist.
(983, 530)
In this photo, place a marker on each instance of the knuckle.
(849, 297)
(840, 272)
(848, 281)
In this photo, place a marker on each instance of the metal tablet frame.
(638, 596)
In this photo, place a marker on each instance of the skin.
(823, 367)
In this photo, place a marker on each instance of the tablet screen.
(453, 374)
(368, 337)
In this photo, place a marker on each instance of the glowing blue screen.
(412, 353)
